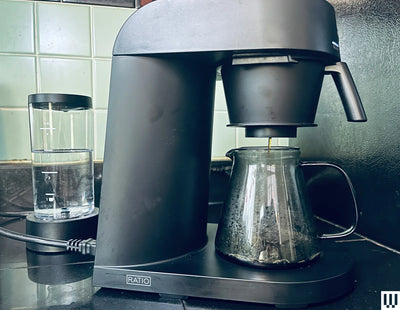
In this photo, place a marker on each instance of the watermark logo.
(138, 280)
(390, 300)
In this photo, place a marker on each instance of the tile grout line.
(361, 236)
(236, 137)
(93, 90)
(378, 244)
(36, 42)
(55, 56)
(12, 109)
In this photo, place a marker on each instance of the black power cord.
(87, 246)
(21, 214)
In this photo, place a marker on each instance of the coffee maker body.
(153, 231)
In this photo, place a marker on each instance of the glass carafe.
(267, 220)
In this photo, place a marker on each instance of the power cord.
(20, 214)
(86, 246)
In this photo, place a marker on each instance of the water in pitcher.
(62, 183)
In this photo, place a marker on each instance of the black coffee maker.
(153, 234)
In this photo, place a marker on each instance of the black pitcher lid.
(60, 101)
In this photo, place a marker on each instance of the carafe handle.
(351, 229)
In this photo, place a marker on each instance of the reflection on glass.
(267, 221)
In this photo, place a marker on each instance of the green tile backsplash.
(14, 134)
(62, 75)
(106, 24)
(17, 80)
(16, 24)
(100, 119)
(63, 29)
(220, 104)
(101, 80)
(224, 138)
(62, 47)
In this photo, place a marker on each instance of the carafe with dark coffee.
(267, 220)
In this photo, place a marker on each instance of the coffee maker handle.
(348, 92)
(352, 228)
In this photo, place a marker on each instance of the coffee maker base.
(205, 274)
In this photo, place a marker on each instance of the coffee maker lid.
(187, 26)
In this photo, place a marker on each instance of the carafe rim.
(266, 148)
(271, 149)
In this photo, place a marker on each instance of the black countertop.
(63, 281)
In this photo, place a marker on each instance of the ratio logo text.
(138, 280)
